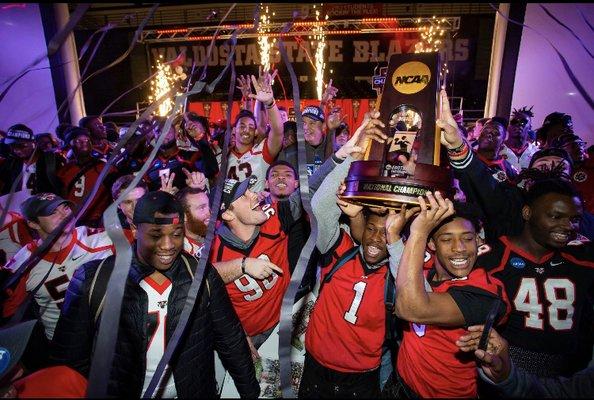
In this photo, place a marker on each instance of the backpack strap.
(98, 289)
(187, 264)
(339, 263)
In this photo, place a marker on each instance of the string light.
(320, 38)
(162, 83)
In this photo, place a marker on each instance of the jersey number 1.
(351, 314)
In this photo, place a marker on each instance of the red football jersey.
(258, 302)
(83, 186)
(347, 326)
(429, 361)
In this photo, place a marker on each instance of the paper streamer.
(286, 317)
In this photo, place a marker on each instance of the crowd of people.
(487, 293)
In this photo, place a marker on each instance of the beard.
(195, 226)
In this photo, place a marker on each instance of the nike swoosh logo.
(555, 264)
(76, 258)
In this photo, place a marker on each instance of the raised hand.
(263, 87)
(335, 119)
(397, 220)
(431, 214)
(373, 129)
(244, 85)
(350, 209)
(329, 93)
(354, 146)
(195, 180)
(451, 137)
(167, 183)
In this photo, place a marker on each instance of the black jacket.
(213, 325)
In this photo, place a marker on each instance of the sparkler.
(431, 36)
(320, 38)
(161, 84)
(263, 40)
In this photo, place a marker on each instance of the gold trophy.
(408, 107)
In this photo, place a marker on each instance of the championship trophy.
(408, 107)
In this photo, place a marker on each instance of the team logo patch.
(61, 268)
(500, 176)
(162, 304)
(539, 270)
(580, 176)
(517, 263)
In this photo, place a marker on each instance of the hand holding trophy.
(406, 164)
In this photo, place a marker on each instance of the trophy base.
(366, 187)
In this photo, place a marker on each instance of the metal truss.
(302, 28)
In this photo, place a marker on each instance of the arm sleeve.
(230, 339)
(475, 304)
(503, 214)
(74, 334)
(521, 384)
(325, 209)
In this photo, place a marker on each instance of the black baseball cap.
(234, 189)
(13, 342)
(19, 133)
(41, 205)
(153, 202)
(313, 112)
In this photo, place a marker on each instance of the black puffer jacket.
(213, 325)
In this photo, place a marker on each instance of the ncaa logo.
(517, 263)
(411, 77)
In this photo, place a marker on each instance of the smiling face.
(159, 245)
(312, 131)
(455, 245)
(553, 219)
(246, 210)
(197, 213)
(374, 239)
(245, 131)
(281, 181)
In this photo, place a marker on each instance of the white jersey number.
(351, 314)
(246, 283)
(558, 292)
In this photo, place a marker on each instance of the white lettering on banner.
(334, 49)
(364, 51)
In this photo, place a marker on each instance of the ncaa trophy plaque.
(408, 107)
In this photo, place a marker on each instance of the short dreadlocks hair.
(524, 110)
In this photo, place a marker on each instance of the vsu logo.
(411, 77)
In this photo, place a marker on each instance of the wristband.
(243, 265)
(457, 149)
(268, 107)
